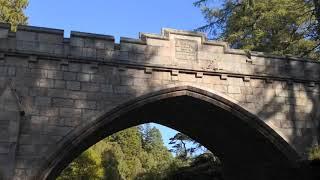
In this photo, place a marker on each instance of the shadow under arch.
(248, 148)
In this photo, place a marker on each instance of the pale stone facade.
(52, 87)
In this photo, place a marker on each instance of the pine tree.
(274, 26)
(180, 147)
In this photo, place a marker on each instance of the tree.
(179, 142)
(135, 153)
(204, 166)
(152, 138)
(126, 147)
(156, 158)
(86, 167)
(274, 26)
(11, 11)
(316, 13)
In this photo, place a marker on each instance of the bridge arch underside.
(248, 148)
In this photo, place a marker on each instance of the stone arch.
(278, 158)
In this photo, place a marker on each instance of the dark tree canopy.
(273, 26)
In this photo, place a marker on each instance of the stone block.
(26, 150)
(11, 71)
(69, 76)
(42, 101)
(175, 78)
(120, 89)
(184, 77)
(61, 102)
(71, 121)
(235, 81)
(106, 88)
(74, 67)
(73, 85)
(76, 95)
(224, 77)
(4, 148)
(91, 87)
(257, 83)
(59, 84)
(148, 70)
(27, 45)
(97, 96)
(234, 90)
(77, 41)
(88, 114)
(82, 104)
(26, 36)
(50, 38)
(97, 78)
(269, 94)
(246, 90)
(158, 42)
(89, 52)
(58, 93)
(56, 121)
(49, 111)
(3, 71)
(221, 88)
(126, 81)
(4, 32)
(250, 98)
(57, 130)
(46, 83)
(52, 74)
(87, 68)
(70, 112)
(282, 92)
(37, 73)
(8, 115)
(199, 74)
(76, 51)
(83, 77)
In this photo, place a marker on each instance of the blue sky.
(114, 17)
(120, 18)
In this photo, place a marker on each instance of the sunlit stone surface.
(60, 95)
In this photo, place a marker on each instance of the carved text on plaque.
(186, 49)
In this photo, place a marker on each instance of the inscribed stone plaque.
(186, 49)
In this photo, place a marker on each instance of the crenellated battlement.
(171, 49)
(82, 44)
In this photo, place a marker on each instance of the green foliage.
(126, 155)
(274, 26)
(86, 166)
(11, 11)
(314, 153)
(137, 153)
(124, 151)
(152, 138)
(205, 166)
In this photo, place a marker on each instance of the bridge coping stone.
(165, 33)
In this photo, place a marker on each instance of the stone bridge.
(58, 96)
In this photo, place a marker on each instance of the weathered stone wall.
(49, 85)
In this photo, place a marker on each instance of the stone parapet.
(172, 48)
